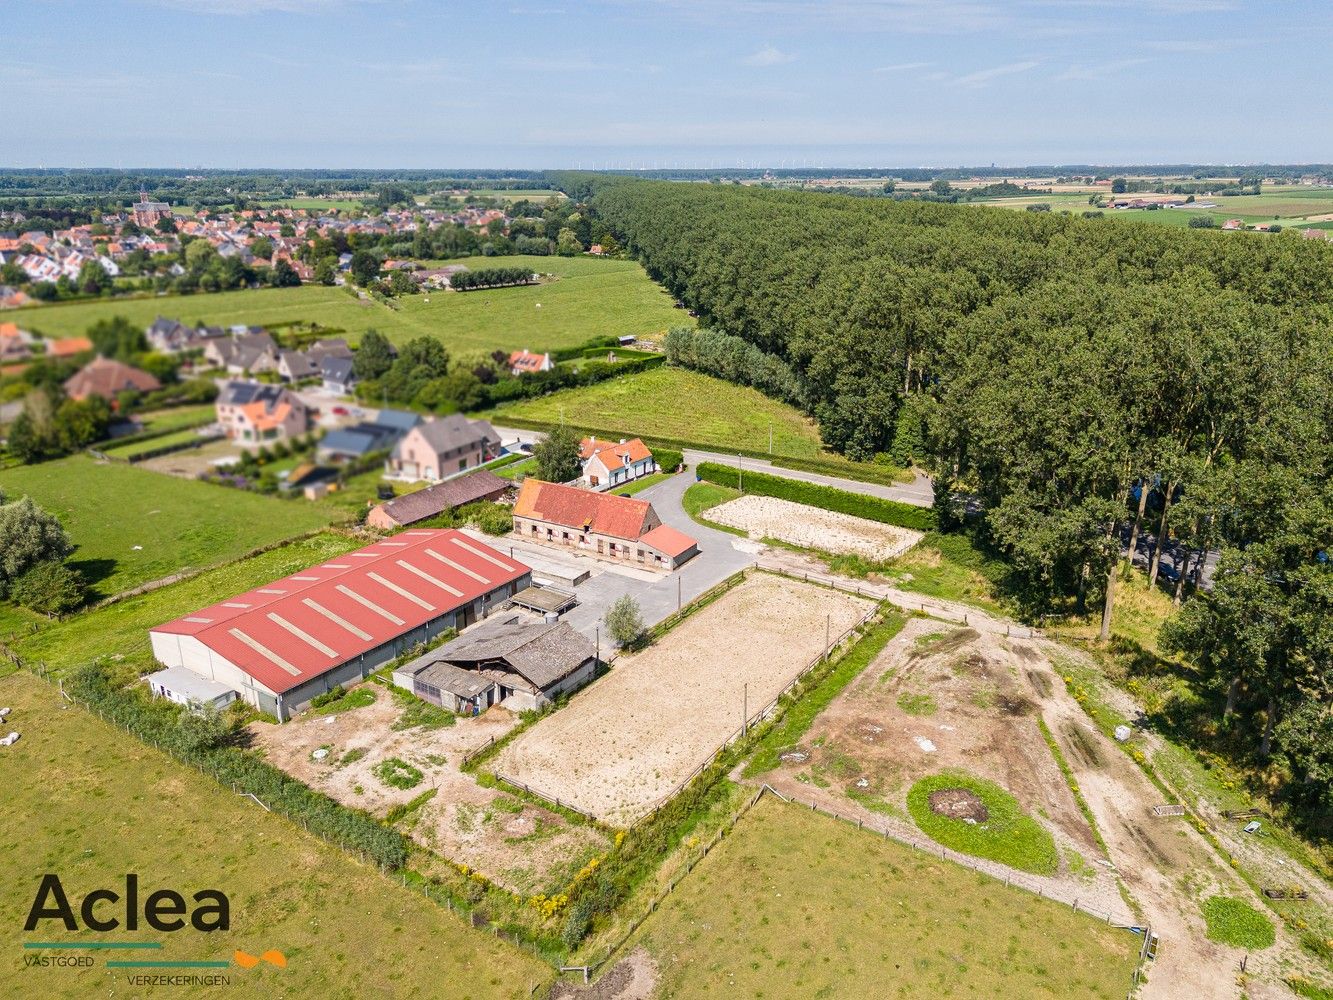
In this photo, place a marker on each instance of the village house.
(612, 527)
(252, 413)
(68, 347)
(107, 378)
(526, 363)
(367, 437)
(16, 344)
(282, 644)
(336, 375)
(440, 448)
(608, 464)
(295, 366)
(513, 660)
(434, 500)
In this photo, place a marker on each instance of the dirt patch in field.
(940, 698)
(813, 528)
(958, 803)
(514, 843)
(627, 741)
(634, 977)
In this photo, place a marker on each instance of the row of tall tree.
(1082, 382)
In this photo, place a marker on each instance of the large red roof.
(603, 513)
(667, 539)
(291, 630)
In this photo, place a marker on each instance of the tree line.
(1082, 384)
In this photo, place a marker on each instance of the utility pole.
(598, 656)
(740, 475)
(770, 437)
(678, 595)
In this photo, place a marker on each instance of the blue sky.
(597, 83)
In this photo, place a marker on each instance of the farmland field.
(121, 629)
(794, 904)
(628, 740)
(587, 298)
(108, 508)
(344, 929)
(132, 448)
(682, 405)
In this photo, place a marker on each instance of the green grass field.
(681, 405)
(794, 904)
(108, 508)
(90, 804)
(589, 297)
(133, 448)
(121, 629)
(178, 417)
(318, 204)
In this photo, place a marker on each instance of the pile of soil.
(958, 803)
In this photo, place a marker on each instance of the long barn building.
(282, 644)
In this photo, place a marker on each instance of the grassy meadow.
(587, 297)
(794, 904)
(108, 508)
(681, 405)
(120, 630)
(88, 802)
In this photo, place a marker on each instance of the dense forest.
(1069, 381)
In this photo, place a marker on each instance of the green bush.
(824, 497)
(397, 772)
(1008, 835)
(668, 459)
(1234, 922)
(404, 809)
(331, 703)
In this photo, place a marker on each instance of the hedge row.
(203, 743)
(826, 497)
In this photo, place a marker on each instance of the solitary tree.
(50, 588)
(624, 620)
(558, 455)
(28, 536)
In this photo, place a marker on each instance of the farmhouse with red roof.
(608, 464)
(613, 527)
(280, 645)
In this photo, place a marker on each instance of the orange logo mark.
(273, 957)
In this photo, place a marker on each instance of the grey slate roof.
(540, 653)
(421, 504)
(457, 431)
(336, 370)
(455, 680)
(401, 420)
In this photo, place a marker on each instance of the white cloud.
(900, 67)
(768, 56)
(1099, 71)
(984, 76)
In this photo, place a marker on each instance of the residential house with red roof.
(282, 644)
(608, 464)
(108, 378)
(524, 362)
(252, 413)
(625, 529)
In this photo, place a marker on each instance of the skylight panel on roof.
(337, 619)
(458, 566)
(235, 604)
(366, 602)
(198, 621)
(419, 602)
(482, 554)
(428, 578)
(306, 578)
(303, 635)
(264, 651)
(270, 590)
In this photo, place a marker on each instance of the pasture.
(586, 297)
(793, 904)
(90, 803)
(132, 525)
(810, 527)
(120, 630)
(678, 405)
(628, 740)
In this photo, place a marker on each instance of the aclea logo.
(109, 910)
